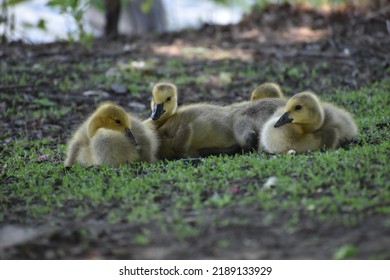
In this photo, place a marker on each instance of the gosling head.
(303, 109)
(164, 101)
(110, 116)
(267, 90)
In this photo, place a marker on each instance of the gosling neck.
(164, 117)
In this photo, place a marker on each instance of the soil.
(353, 40)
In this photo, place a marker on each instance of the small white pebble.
(128, 47)
(311, 207)
(138, 64)
(272, 181)
(37, 66)
(96, 93)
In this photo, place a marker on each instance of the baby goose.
(306, 124)
(267, 90)
(111, 147)
(114, 148)
(163, 106)
(107, 137)
(189, 131)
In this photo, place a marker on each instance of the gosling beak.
(131, 136)
(283, 120)
(157, 111)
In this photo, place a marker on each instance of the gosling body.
(197, 130)
(307, 124)
(189, 131)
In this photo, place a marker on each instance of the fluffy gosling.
(307, 124)
(111, 136)
(267, 90)
(192, 130)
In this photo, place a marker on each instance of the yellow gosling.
(110, 136)
(267, 90)
(189, 131)
(307, 124)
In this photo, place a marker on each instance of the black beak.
(131, 136)
(283, 120)
(157, 111)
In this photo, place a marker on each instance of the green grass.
(320, 183)
(346, 185)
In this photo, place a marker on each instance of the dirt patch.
(94, 238)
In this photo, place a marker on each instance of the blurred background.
(39, 21)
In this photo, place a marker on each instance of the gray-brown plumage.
(248, 118)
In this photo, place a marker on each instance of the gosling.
(267, 90)
(192, 130)
(113, 137)
(307, 124)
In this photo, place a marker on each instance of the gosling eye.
(298, 107)
(118, 121)
(168, 99)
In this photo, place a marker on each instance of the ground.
(321, 205)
